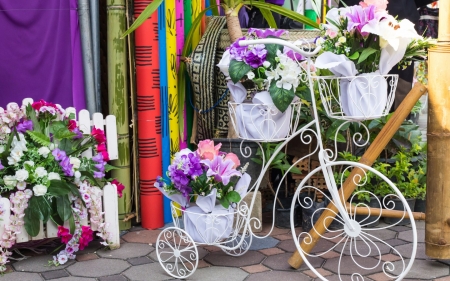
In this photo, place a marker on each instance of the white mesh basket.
(264, 122)
(357, 98)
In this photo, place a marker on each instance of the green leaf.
(365, 54)
(72, 225)
(267, 14)
(225, 203)
(110, 168)
(56, 126)
(32, 116)
(75, 191)
(233, 196)
(58, 188)
(63, 207)
(40, 206)
(272, 53)
(281, 97)
(39, 138)
(67, 145)
(354, 56)
(54, 213)
(91, 177)
(64, 134)
(31, 220)
(148, 11)
(238, 69)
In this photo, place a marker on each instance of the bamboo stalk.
(118, 100)
(368, 158)
(382, 212)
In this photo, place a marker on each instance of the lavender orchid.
(222, 170)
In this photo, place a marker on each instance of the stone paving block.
(201, 264)
(86, 257)
(445, 278)
(321, 246)
(406, 249)
(216, 273)
(329, 255)
(142, 236)
(146, 272)
(21, 276)
(271, 251)
(363, 248)
(273, 232)
(98, 268)
(382, 234)
(259, 244)
(126, 251)
(390, 257)
(408, 235)
(9, 269)
(395, 242)
(139, 261)
(420, 224)
(379, 277)
(201, 254)
(283, 237)
(222, 259)
(348, 266)
(321, 271)
(400, 228)
(39, 264)
(212, 248)
(423, 269)
(280, 262)
(447, 262)
(336, 277)
(278, 275)
(113, 278)
(255, 268)
(55, 274)
(71, 278)
(92, 247)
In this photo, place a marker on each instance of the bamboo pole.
(382, 212)
(437, 223)
(95, 39)
(118, 100)
(368, 158)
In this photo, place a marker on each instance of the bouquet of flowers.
(359, 46)
(46, 177)
(271, 67)
(202, 172)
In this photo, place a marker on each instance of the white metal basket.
(357, 98)
(264, 122)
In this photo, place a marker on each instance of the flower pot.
(398, 205)
(420, 205)
(311, 212)
(366, 220)
(283, 215)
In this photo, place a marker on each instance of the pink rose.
(331, 33)
(233, 157)
(381, 5)
(207, 150)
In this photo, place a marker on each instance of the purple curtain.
(40, 52)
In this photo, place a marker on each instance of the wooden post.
(368, 158)
(382, 212)
(437, 222)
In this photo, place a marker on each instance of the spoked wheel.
(359, 245)
(177, 252)
(232, 247)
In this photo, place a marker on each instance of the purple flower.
(66, 166)
(358, 17)
(221, 170)
(293, 55)
(98, 158)
(196, 166)
(1, 166)
(237, 52)
(256, 56)
(78, 133)
(24, 126)
(264, 33)
(59, 154)
(98, 175)
(100, 166)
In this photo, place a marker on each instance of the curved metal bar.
(280, 42)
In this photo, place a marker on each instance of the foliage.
(279, 161)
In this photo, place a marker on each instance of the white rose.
(342, 39)
(21, 185)
(22, 175)
(224, 63)
(53, 176)
(44, 151)
(10, 180)
(75, 162)
(250, 75)
(266, 64)
(29, 163)
(39, 189)
(41, 172)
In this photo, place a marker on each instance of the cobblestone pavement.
(266, 260)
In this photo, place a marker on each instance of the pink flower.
(381, 5)
(101, 147)
(207, 150)
(87, 235)
(331, 33)
(233, 157)
(99, 135)
(72, 125)
(120, 187)
(64, 234)
(105, 155)
(38, 104)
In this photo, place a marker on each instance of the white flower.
(39, 189)
(2, 148)
(10, 180)
(224, 63)
(40, 172)
(77, 175)
(62, 259)
(21, 185)
(342, 39)
(320, 41)
(28, 193)
(266, 64)
(250, 75)
(53, 176)
(44, 151)
(22, 175)
(29, 163)
(75, 162)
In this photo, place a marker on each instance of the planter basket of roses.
(206, 191)
(279, 76)
(50, 184)
(359, 45)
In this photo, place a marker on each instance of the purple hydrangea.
(264, 33)
(358, 17)
(293, 55)
(256, 56)
(238, 52)
(184, 168)
(24, 126)
(66, 166)
(78, 133)
(59, 154)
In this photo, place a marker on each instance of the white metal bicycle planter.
(177, 249)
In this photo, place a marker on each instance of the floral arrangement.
(46, 177)
(201, 172)
(271, 67)
(370, 38)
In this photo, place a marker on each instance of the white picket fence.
(109, 193)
